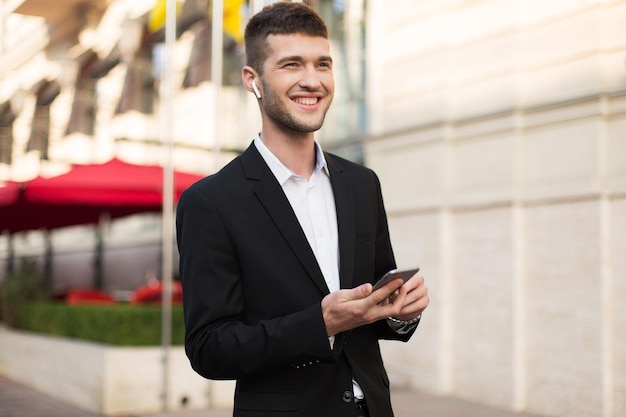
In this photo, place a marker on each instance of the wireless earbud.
(256, 90)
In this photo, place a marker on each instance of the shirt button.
(347, 397)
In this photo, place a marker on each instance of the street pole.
(167, 111)
(217, 58)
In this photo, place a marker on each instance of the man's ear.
(248, 75)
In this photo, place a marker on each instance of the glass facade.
(345, 124)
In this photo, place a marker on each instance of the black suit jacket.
(252, 291)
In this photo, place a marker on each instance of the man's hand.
(415, 298)
(347, 309)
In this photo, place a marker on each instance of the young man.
(278, 250)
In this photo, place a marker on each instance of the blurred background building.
(497, 127)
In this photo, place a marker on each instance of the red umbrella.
(83, 194)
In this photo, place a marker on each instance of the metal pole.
(2, 18)
(217, 50)
(167, 107)
(10, 255)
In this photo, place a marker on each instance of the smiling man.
(297, 70)
(279, 249)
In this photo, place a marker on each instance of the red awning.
(83, 194)
(9, 193)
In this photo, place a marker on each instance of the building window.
(139, 83)
(83, 115)
(199, 67)
(85, 104)
(7, 116)
(46, 91)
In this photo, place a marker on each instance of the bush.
(123, 324)
(26, 284)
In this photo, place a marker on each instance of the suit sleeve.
(385, 261)
(219, 342)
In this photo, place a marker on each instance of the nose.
(310, 79)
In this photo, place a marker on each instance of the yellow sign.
(233, 17)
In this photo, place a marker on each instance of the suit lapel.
(271, 195)
(344, 204)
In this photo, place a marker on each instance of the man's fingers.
(416, 301)
(387, 290)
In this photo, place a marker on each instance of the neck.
(295, 150)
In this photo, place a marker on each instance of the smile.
(307, 101)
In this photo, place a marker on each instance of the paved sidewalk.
(16, 400)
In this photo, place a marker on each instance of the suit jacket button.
(347, 396)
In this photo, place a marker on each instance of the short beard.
(275, 110)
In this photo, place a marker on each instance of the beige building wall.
(498, 129)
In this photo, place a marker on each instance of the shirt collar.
(280, 171)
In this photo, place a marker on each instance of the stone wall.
(499, 135)
(107, 380)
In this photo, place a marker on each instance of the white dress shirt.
(313, 202)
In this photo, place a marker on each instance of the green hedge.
(124, 324)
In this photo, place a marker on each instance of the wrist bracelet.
(405, 322)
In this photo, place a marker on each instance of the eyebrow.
(298, 58)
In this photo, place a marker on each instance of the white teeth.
(306, 101)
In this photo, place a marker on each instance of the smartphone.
(405, 274)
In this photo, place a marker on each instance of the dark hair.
(281, 18)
